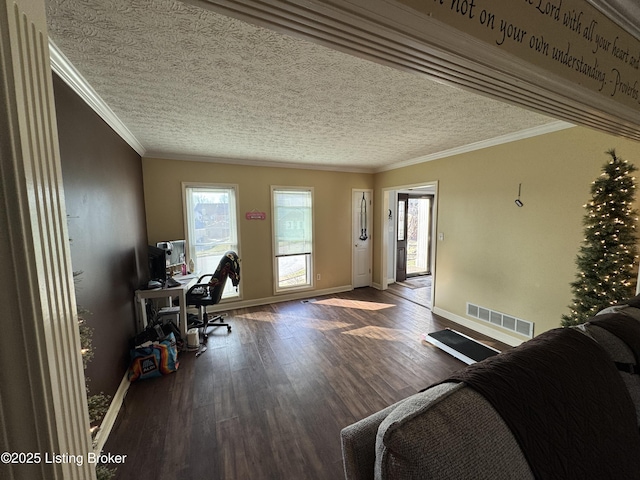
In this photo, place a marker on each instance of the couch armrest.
(359, 445)
(447, 432)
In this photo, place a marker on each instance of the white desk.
(186, 282)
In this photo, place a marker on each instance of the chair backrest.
(229, 267)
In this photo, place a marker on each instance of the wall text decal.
(569, 38)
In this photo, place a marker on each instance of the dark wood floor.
(416, 289)
(268, 400)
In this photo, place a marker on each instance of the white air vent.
(503, 320)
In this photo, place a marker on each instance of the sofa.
(565, 404)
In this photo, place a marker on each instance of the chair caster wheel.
(228, 328)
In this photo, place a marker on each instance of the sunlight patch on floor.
(356, 304)
(259, 316)
(379, 333)
(319, 324)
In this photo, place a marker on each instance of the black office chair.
(203, 294)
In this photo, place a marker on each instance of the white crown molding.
(255, 163)
(68, 73)
(472, 80)
(61, 65)
(491, 142)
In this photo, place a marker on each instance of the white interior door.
(362, 208)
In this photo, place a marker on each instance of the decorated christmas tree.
(607, 259)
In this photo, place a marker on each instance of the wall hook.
(518, 201)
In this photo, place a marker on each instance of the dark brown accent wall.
(102, 177)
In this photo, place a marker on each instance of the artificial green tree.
(97, 404)
(607, 259)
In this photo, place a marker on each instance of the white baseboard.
(111, 416)
(232, 305)
(480, 328)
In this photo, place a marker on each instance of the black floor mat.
(470, 350)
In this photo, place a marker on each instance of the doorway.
(413, 240)
(415, 221)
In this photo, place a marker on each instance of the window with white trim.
(292, 237)
(211, 220)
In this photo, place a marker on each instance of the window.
(212, 227)
(292, 237)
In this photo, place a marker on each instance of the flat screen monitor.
(157, 263)
(175, 252)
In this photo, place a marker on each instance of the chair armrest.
(205, 286)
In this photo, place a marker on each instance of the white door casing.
(43, 407)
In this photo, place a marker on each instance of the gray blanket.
(566, 404)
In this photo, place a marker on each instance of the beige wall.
(332, 214)
(518, 261)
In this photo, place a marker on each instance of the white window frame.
(310, 256)
(230, 293)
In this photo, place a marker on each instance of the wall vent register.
(523, 327)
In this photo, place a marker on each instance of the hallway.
(416, 289)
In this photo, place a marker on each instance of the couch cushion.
(619, 351)
(428, 436)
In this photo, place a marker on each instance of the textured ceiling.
(625, 13)
(188, 82)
